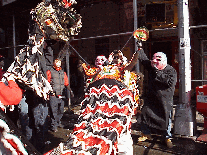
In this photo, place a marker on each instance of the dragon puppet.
(50, 20)
(111, 97)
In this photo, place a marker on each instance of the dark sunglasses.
(157, 59)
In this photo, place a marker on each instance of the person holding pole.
(158, 106)
(58, 80)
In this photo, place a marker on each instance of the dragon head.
(57, 19)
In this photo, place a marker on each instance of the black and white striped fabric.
(50, 20)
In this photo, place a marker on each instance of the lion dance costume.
(104, 124)
(51, 20)
(110, 101)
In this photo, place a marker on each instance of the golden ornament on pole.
(141, 34)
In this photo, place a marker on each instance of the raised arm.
(138, 55)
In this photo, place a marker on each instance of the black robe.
(159, 99)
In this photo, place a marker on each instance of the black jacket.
(57, 81)
(159, 99)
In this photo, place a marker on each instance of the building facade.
(109, 24)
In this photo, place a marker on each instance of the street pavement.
(182, 145)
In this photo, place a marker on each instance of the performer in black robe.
(158, 105)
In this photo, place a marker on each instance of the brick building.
(108, 25)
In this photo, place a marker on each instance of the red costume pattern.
(104, 120)
(11, 94)
(107, 109)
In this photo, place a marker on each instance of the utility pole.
(135, 27)
(183, 114)
(68, 74)
(14, 35)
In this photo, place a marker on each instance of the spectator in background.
(58, 80)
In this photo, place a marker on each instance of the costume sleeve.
(85, 68)
(132, 62)
(88, 70)
(48, 76)
(141, 55)
(66, 79)
(11, 94)
(144, 59)
(67, 84)
(168, 77)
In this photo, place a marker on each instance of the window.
(102, 46)
(155, 13)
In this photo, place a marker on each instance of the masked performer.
(51, 20)
(157, 110)
(104, 123)
(92, 72)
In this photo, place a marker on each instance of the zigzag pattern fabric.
(27, 70)
(10, 144)
(51, 20)
(106, 115)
